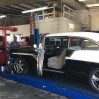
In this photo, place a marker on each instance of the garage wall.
(48, 26)
(23, 29)
(84, 16)
(89, 19)
(94, 19)
(58, 25)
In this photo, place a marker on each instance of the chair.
(57, 62)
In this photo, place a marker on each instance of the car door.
(54, 47)
(79, 54)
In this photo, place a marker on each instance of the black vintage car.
(60, 54)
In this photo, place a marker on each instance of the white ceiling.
(80, 5)
(90, 1)
(74, 4)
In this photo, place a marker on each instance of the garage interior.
(72, 15)
(60, 16)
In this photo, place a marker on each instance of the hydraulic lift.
(3, 40)
(66, 89)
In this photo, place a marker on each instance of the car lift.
(67, 89)
(3, 31)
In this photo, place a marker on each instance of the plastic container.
(4, 68)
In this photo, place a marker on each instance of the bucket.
(4, 68)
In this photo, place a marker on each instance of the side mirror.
(35, 46)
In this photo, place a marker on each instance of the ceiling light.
(2, 16)
(82, 0)
(35, 10)
(92, 5)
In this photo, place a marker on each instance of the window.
(18, 37)
(81, 43)
(87, 44)
(57, 41)
(75, 43)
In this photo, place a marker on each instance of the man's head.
(15, 38)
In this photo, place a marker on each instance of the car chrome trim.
(53, 71)
(26, 54)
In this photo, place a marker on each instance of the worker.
(15, 43)
(27, 40)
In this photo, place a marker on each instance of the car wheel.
(20, 66)
(94, 80)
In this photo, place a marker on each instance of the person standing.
(15, 43)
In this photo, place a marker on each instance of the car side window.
(90, 45)
(55, 45)
(75, 43)
(81, 44)
(56, 41)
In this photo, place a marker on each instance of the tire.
(94, 80)
(20, 66)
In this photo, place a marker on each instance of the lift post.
(3, 54)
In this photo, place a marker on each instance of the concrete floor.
(14, 90)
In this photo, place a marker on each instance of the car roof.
(90, 35)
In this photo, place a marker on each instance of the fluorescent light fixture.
(82, 0)
(2, 16)
(93, 5)
(35, 10)
(86, 40)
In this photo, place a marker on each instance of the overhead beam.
(26, 5)
(9, 8)
(75, 4)
(18, 7)
(11, 2)
(82, 4)
(5, 11)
